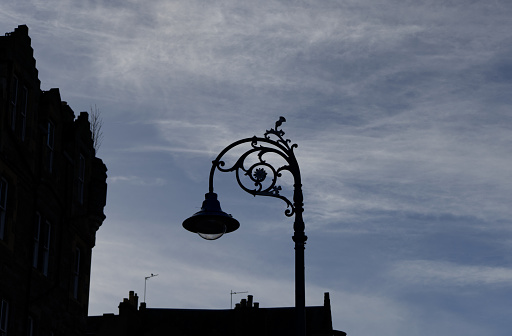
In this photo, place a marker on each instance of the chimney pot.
(327, 300)
(134, 299)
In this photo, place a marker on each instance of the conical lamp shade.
(211, 222)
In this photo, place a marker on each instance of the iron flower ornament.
(253, 165)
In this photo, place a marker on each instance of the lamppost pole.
(253, 168)
(299, 238)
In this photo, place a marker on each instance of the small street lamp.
(211, 222)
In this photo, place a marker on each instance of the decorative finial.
(280, 122)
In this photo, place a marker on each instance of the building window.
(76, 273)
(18, 105)
(46, 247)
(81, 178)
(3, 206)
(14, 101)
(23, 112)
(30, 326)
(41, 251)
(50, 143)
(37, 233)
(4, 317)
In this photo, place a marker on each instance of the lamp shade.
(211, 222)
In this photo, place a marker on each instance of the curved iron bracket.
(260, 170)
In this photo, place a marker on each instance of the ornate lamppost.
(211, 222)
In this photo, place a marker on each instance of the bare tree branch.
(96, 122)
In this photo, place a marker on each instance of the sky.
(401, 111)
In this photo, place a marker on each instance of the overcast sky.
(402, 115)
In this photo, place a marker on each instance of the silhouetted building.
(247, 319)
(52, 194)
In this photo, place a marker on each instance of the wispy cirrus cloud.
(138, 181)
(401, 111)
(447, 274)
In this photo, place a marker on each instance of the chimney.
(327, 300)
(247, 303)
(327, 312)
(134, 299)
(22, 30)
(129, 304)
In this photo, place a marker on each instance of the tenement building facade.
(52, 194)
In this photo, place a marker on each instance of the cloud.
(138, 181)
(447, 274)
(402, 116)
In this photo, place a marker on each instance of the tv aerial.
(145, 280)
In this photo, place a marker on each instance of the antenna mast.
(145, 280)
